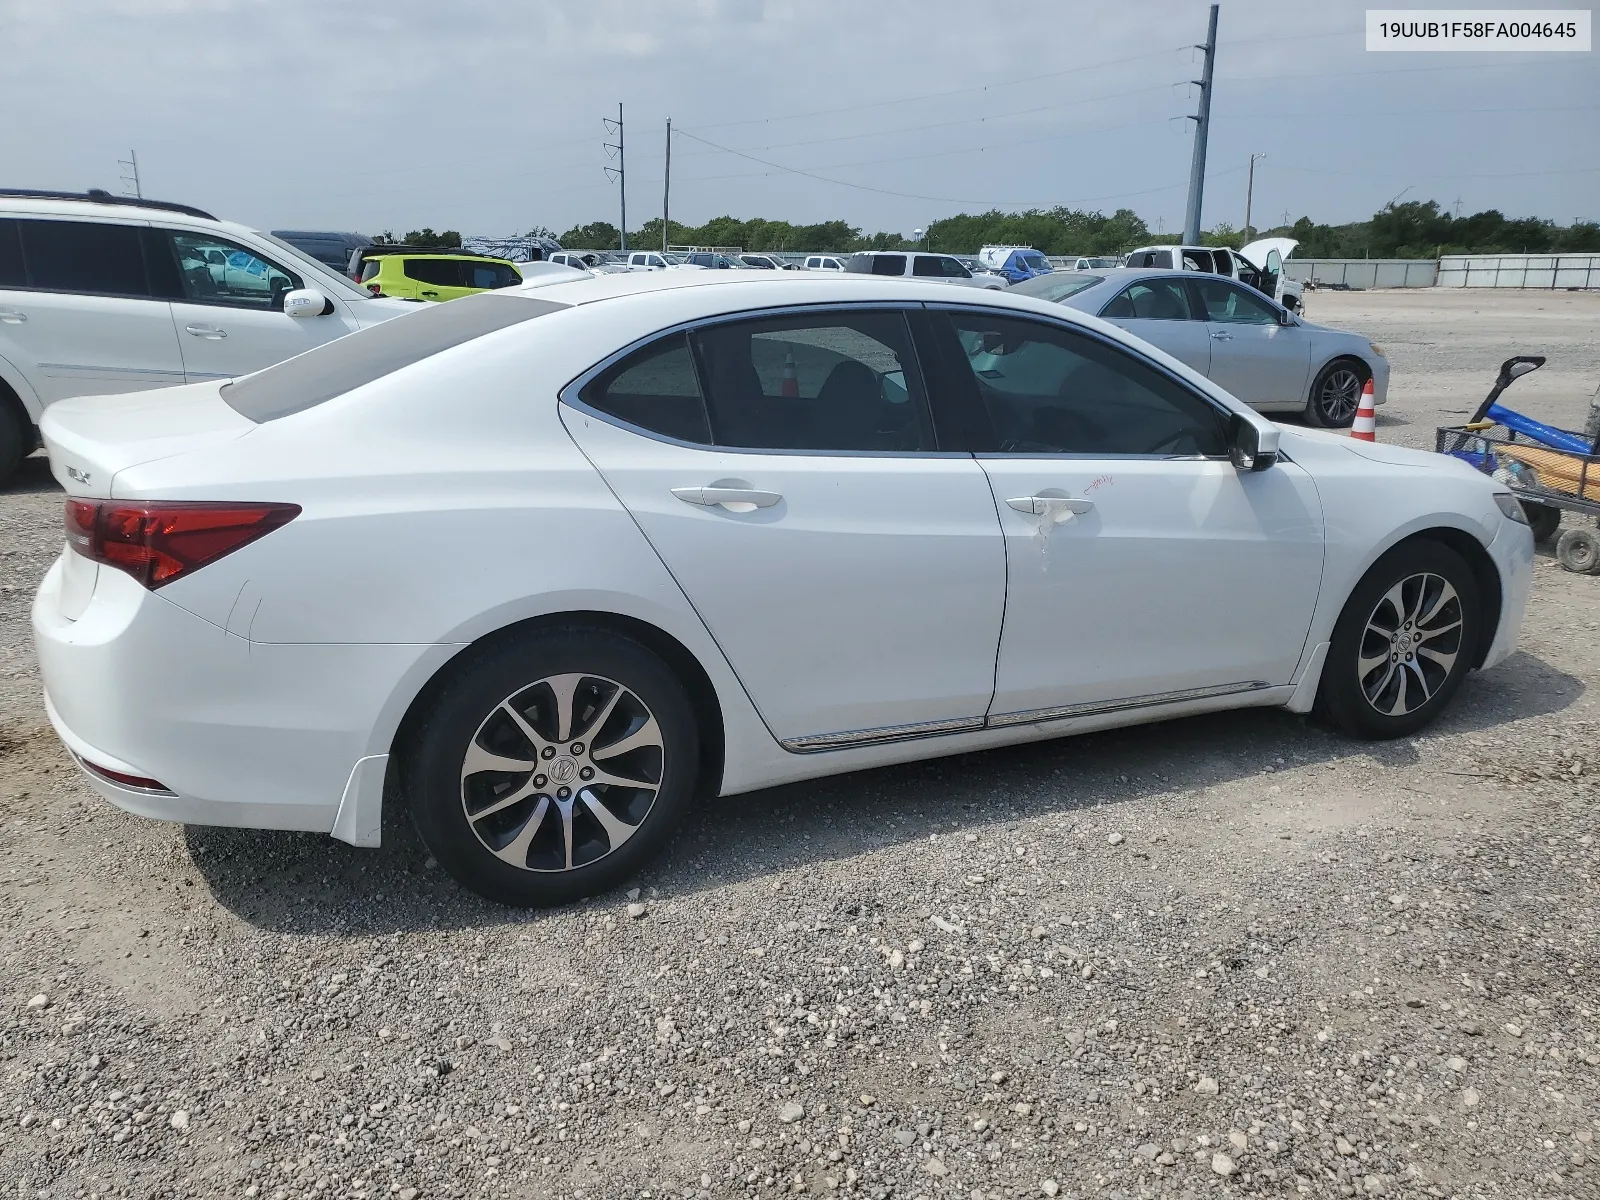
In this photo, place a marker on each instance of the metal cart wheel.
(1578, 550)
(1544, 518)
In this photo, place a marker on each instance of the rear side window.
(11, 270)
(926, 265)
(83, 256)
(654, 388)
(342, 365)
(819, 381)
(1152, 300)
(441, 272)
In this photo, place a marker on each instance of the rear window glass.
(340, 366)
(1057, 285)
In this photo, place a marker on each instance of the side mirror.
(1251, 448)
(1516, 368)
(306, 302)
(1287, 318)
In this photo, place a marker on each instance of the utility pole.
(666, 193)
(130, 174)
(1202, 130)
(619, 172)
(1249, 194)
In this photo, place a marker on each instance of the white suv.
(935, 268)
(102, 293)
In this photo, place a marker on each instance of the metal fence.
(1520, 270)
(1359, 274)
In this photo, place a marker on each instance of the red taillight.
(375, 288)
(156, 541)
(126, 780)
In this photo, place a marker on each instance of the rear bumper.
(237, 733)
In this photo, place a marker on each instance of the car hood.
(1319, 441)
(1256, 252)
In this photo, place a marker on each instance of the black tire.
(1544, 519)
(1578, 550)
(16, 438)
(1332, 403)
(469, 711)
(1382, 702)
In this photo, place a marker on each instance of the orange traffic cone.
(1365, 427)
(791, 379)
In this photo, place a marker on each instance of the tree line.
(1416, 229)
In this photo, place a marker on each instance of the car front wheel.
(551, 767)
(1336, 394)
(1404, 643)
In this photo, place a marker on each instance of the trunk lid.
(92, 438)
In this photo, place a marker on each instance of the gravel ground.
(1235, 955)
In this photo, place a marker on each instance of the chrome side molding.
(1036, 716)
(818, 743)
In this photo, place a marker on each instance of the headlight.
(1377, 349)
(1512, 507)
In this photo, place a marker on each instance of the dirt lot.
(1234, 955)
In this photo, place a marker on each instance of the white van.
(103, 293)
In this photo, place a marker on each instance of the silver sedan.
(1267, 356)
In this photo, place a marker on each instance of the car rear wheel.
(1404, 643)
(1336, 394)
(552, 767)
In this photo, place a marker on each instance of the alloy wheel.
(1341, 395)
(562, 772)
(1410, 644)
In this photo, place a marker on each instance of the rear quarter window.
(347, 363)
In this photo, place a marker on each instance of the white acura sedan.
(555, 558)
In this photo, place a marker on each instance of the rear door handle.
(1061, 508)
(427, 293)
(1222, 335)
(12, 317)
(709, 496)
(207, 331)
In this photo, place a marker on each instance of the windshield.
(1057, 285)
(324, 275)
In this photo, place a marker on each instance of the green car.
(419, 273)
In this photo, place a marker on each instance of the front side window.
(829, 381)
(1050, 390)
(86, 257)
(213, 271)
(1151, 300)
(953, 269)
(654, 388)
(490, 275)
(1036, 262)
(1232, 305)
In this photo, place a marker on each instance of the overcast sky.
(485, 115)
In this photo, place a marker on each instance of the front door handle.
(12, 317)
(727, 496)
(1059, 508)
(1222, 335)
(210, 332)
